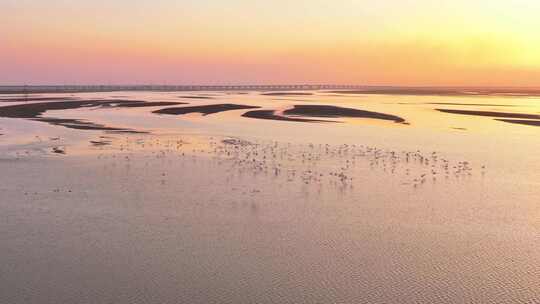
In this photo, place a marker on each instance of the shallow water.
(221, 208)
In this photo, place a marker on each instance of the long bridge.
(23, 89)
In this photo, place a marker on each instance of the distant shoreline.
(34, 89)
(336, 89)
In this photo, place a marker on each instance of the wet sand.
(147, 104)
(334, 111)
(34, 111)
(22, 98)
(79, 124)
(522, 122)
(287, 94)
(491, 114)
(205, 110)
(226, 209)
(196, 97)
(271, 115)
(472, 104)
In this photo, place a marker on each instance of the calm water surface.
(221, 208)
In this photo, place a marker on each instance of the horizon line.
(274, 85)
(360, 89)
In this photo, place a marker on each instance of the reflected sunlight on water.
(208, 206)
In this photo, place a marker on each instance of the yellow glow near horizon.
(417, 42)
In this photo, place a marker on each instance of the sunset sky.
(387, 42)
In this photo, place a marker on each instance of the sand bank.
(491, 114)
(335, 112)
(205, 110)
(271, 115)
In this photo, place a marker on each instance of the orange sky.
(415, 42)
